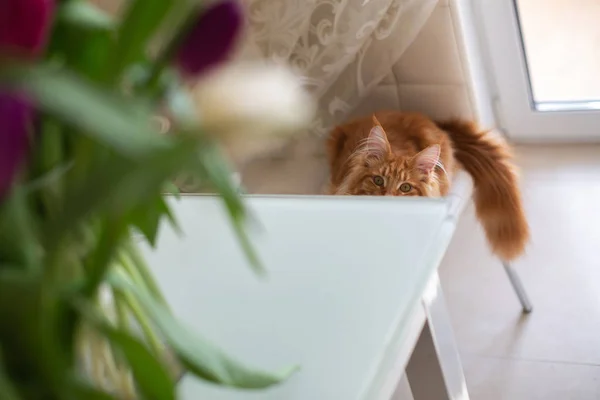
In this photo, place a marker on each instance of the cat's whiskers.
(362, 149)
(441, 166)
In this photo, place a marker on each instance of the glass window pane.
(562, 45)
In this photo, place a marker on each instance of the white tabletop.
(344, 274)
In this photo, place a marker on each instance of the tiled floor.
(553, 353)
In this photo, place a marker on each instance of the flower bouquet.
(84, 164)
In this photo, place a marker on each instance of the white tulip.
(245, 103)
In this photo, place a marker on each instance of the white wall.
(442, 73)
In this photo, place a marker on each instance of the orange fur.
(404, 154)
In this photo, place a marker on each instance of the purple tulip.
(24, 25)
(211, 39)
(15, 120)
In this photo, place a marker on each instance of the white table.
(352, 282)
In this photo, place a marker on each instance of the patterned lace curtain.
(341, 48)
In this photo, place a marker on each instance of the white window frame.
(504, 57)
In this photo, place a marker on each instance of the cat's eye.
(378, 180)
(405, 187)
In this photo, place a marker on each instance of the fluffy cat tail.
(497, 197)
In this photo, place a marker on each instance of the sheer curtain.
(341, 48)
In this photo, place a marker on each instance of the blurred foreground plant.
(82, 166)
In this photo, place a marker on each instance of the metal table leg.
(518, 287)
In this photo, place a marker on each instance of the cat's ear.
(426, 160)
(378, 145)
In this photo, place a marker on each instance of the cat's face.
(397, 176)
(377, 171)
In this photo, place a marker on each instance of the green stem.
(7, 390)
(130, 269)
(100, 260)
(134, 306)
(136, 263)
(83, 156)
(165, 58)
(51, 156)
(121, 310)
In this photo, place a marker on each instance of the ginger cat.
(406, 154)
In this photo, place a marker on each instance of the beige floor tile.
(561, 163)
(551, 353)
(501, 379)
(563, 286)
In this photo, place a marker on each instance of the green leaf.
(150, 374)
(140, 23)
(112, 232)
(50, 178)
(7, 390)
(93, 55)
(76, 389)
(35, 341)
(48, 165)
(173, 220)
(199, 356)
(18, 242)
(172, 189)
(181, 20)
(121, 124)
(117, 186)
(49, 145)
(213, 167)
(135, 266)
(179, 102)
(85, 15)
(83, 35)
(146, 217)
